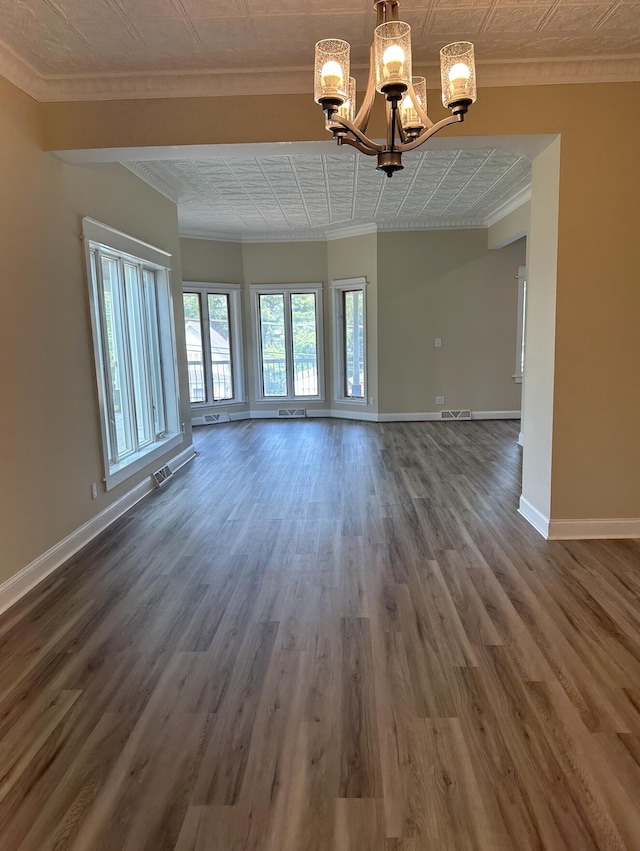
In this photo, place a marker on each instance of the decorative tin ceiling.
(123, 48)
(276, 195)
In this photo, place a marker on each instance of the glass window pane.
(220, 341)
(154, 354)
(113, 297)
(195, 355)
(305, 344)
(272, 338)
(140, 375)
(353, 312)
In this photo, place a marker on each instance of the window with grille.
(134, 348)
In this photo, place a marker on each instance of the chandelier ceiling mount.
(408, 125)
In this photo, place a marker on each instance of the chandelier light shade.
(458, 74)
(411, 120)
(390, 74)
(348, 108)
(392, 51)
(332, 72)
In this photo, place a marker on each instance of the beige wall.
(511, 227)
(212, 262)
(419, 285)
(49, 416)
(447, 284)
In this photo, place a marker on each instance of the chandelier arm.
(422, 115)
(364, 113)
(398, 124)
(344, 122)
(346, 140)
(431, 131)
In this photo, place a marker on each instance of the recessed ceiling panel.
(318, 192)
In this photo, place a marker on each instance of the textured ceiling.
(275, 194)
(62, 38)
(89, 36)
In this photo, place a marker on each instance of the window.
(134, 349)
(288, 324)
(349, 336)
(213, 334)
(522, 310)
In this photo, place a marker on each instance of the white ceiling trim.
(333, 234)
(145, 173)
(509, 206)
(128, 86)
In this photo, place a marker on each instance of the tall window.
(133, 342)
(289, 332)
(522, 316)
(349, 335)
(213, 333)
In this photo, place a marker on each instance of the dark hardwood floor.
(327, 636)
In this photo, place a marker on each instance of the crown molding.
(145, 173)
(270, 81)
(514, 203)
(21, 74)
(431, 224)
(350, 230)
(254, 236)
(331, 234)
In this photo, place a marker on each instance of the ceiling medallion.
(408, 124)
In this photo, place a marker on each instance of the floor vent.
(455, 415)
(287, 413)
(211, 419)
(162, 475)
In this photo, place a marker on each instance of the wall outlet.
(182, 427)
(94, 490)
(438, 342)
(439, 400)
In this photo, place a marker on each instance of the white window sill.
(134, 463)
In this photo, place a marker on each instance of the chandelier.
(408, 124)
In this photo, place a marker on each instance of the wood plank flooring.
(327, 636)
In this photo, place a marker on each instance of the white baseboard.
(572, 530)
(370, 416)
(576, 530)
(182, 458)
(356, 414)
(433, 416)
(24, 580)
(537, 519)
(495, 415)
(409, 418)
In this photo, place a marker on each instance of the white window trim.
(234, 291)
(521, 278)
(337, 328)
(106, 237)
(269, 289)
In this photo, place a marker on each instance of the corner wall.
(49, 421)
(447, 284)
